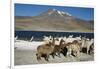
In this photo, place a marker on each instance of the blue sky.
(33, 10)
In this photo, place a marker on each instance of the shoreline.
(57, 31)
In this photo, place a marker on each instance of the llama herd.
(68, 46)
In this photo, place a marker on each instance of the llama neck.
(53, 42)
(83, 43)
(61, 42)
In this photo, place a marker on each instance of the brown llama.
(45, 50)
(58, 48)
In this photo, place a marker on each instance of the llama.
(58, 47)
(44, 50)
(16, 38)
(71, 39)
(31, 39)
(73, 48)
(86, 43)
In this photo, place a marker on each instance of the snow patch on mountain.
(60, 13)
(63, 12)
(68, 14)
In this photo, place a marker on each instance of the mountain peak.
(51, 11)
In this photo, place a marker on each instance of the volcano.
(53, 20)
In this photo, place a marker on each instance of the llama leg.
(64, 52)
(87, 50)
(47, 56)
(38, 56)
(75, 54)
(53, 55)
(69, 52)
(81, 49)
(78, 54)
(91, 50)
(58, 53)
